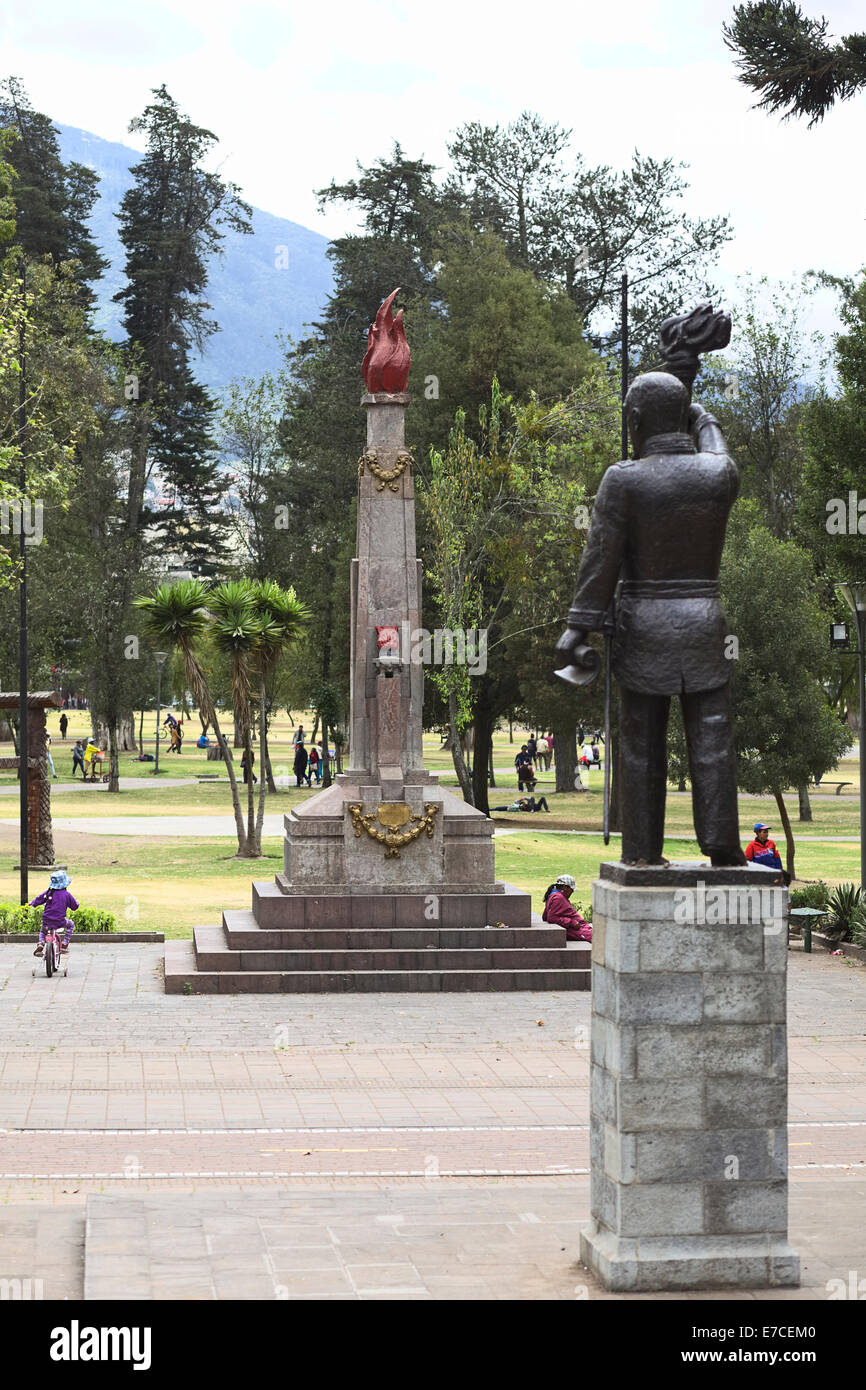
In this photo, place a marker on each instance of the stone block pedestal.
(689, 1080)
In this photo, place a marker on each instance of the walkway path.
(351, 1146)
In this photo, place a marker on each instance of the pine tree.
(785, 55)
(172, 220)
(53, 200)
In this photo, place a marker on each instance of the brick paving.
(373, 1107)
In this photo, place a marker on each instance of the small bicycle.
(53, 953)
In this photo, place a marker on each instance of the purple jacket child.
(57, 903)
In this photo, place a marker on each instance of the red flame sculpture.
(386, 364)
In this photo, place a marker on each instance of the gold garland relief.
(392, 835)
(386, 476)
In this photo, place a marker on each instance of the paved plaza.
(352, 1146)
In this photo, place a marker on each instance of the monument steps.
(188, 971)
(213, 952)
(244, 933)
(367, 907)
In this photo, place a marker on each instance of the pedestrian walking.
(64, 725)
(525, 770)
(48, 755)
(78, 758)
(248, 766)
(300, 763)
(315, 766)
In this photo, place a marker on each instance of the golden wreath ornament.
(387, 476)
(393, 816)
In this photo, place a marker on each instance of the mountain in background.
(252, 299)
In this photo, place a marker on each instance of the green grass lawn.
(175, 883)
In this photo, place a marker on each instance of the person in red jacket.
(762, 849)
(559, 912)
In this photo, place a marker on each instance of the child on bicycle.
(57, 903)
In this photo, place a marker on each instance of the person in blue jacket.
(762, 849)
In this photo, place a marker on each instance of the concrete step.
(381, 911)
(184, 976)
(244, 933)
(213, 953)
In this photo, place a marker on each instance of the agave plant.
(847, 907)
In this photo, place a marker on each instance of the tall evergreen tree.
(172, 220)
(784, 55)
(53, 200)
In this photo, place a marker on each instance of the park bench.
(838, 785)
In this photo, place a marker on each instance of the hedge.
(14, 918)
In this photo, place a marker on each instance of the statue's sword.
(609, 626)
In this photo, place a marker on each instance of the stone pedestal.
(689, 1080)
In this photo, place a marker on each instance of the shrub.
(813, 895)
(14, 918)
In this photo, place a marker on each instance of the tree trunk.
(233, 782)
(205, 723)
(126, 731)
(491, 775)
(315, 729)
(805, 803)
(326, 761)
(565, 749)
(483, 738)
(238, 739)
(265, 778)
(789, 834)
(457, 752)
(268, 773)
(141, 733)
(113, 761)
(5, 731)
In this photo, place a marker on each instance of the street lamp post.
(855, 597)
(161, 658)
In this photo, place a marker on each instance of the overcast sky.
(297, 92)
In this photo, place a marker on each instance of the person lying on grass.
(559, 912)
(525, 803)
(57, 903)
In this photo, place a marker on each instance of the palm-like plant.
(283, 617)
(237, 631)
(177, 616)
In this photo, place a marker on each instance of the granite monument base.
(689, 1080)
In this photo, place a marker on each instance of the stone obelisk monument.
(385, 827)
(389, 880)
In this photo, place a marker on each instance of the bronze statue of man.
(658, 524)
